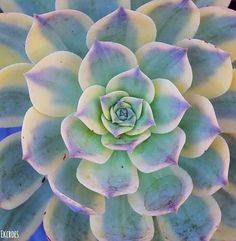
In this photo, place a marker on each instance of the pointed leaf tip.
(132, 32)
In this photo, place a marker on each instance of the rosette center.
(122, 114)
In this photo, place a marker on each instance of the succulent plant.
(128, 115)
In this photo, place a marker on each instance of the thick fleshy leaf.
(121, 222)
(116, 177)
(136, 105)
(89, 109)
(227, 228)
(119, 116)
(28, 7)
(160, 60)
(55, 78)
(26, 218)
(124, 142)
(94, 9)
(144, 122)
(14, 28)
(104, 61)
(14, 97)
(224, 106)
(122, 104)
(211, 66)
(123, 115)
(161, 192)
(58, 30)
(126, 81)
(218, 26)
(83, 143)
(42, 143)
(18, 180)
(168, 106)
(115, 129)
(197, 219)
(231, 140)
(66, 186)
(61, 223)
(200, 126)
(127, 27)
(109, 100)
(175, 19)
(159, 151)
(206, 3)
(209, 172)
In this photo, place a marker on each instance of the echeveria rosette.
(124, 123)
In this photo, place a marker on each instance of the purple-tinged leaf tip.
(40, 19)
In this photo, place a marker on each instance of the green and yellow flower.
(128, 115)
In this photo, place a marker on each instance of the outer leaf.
(168, 106)
(161, 192)
(61, 223)
(42, 143)
(57, 31)
(127, 27)
(206, 3)
(227, 228)
(120, 222)
(18, 180)
(104, 61)
(212, 68)
(14, 97)
(218, 26)
(158, 151)
(231, 187)
(160, 60)
(197, 219)
(29, 7)
(209, 172)
(125, 142)
(114, 178)
(126, 81)
(83, 143)
(224, 106)
(55, 78)
(200, 126)
(26, 218)
(89, 109)
(13, 31)
(66, 186)
(94, 9)
(175, 19)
